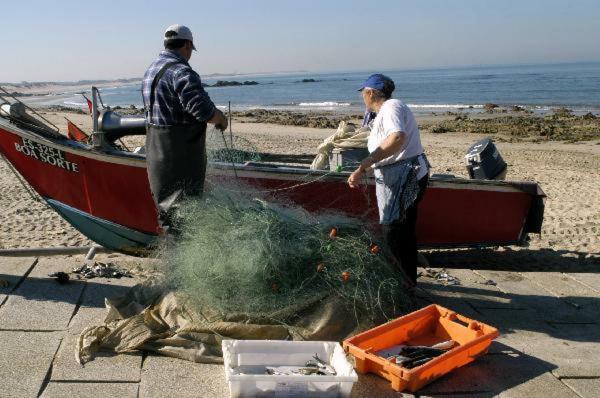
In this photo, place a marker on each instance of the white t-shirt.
(394, 116)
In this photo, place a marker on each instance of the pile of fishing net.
(239, 253)
(247, 268)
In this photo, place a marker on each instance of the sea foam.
(446, 106)
(324, 104)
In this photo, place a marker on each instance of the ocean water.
(537, 87)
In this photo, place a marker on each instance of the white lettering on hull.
(46, 154)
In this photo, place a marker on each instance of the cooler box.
(428, 326)
(346, 159)
(484, 162)
(246, 361)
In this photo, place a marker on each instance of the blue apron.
(397, 187)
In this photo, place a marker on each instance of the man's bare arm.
(388, 147)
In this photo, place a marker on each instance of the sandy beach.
(567, 172)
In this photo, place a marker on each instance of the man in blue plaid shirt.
(178, 110)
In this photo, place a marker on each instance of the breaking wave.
(446, 106)
(324, 104)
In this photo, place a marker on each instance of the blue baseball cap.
(378, 82)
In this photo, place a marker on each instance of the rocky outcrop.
(436, 129)
(524, 127)
(226, 83)
(489, 107)
(563, 112)
(290, 118)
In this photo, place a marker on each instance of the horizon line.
(323, 71)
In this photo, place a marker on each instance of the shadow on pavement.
(491, 374)
(521, 260)
(48, 289)
(511, 313)
(502, 369)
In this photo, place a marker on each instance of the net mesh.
(238, 253)
(222, 147)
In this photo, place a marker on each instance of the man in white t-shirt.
(400, 167)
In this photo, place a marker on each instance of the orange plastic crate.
(427, 326)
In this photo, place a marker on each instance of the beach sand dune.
(568, 174)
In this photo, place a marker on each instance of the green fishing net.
(229, 148)
(239, 253)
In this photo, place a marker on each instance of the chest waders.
(176, 163)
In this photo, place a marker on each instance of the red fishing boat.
(103, 191)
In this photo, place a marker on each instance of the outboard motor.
(115, 126)
(484, 162)
(109, 126)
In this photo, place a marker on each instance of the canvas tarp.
(151, 319)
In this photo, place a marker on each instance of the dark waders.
(401, 238)
(176, 163)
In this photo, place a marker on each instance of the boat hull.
(106, 195)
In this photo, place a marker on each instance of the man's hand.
(354, 179)
(219, 120)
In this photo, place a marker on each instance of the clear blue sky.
(83, 39)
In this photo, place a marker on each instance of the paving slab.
(563, 358)
(12, 271)
(516, 340)
(369, 385)
(25, 358)
(105, 366)
(577, 332)
(41, 303)
(585, 299)
(528, 294)
(473, 290)
(587, 388)
(446, 296)
(86, 316)
(465, 297)
(508, 320)
(169, 377)
(92, 310)
(589, 279)
(544, 385)
(85, 390)
(513, 374)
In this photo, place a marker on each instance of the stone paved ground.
(549, 343)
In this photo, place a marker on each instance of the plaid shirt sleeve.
(194, 99)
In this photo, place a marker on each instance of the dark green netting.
(241, 254)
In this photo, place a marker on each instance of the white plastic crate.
(250, 357)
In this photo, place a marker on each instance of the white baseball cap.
(181, 32)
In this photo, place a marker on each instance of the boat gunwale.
(139, 160)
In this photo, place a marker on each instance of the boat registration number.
(45, 154)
